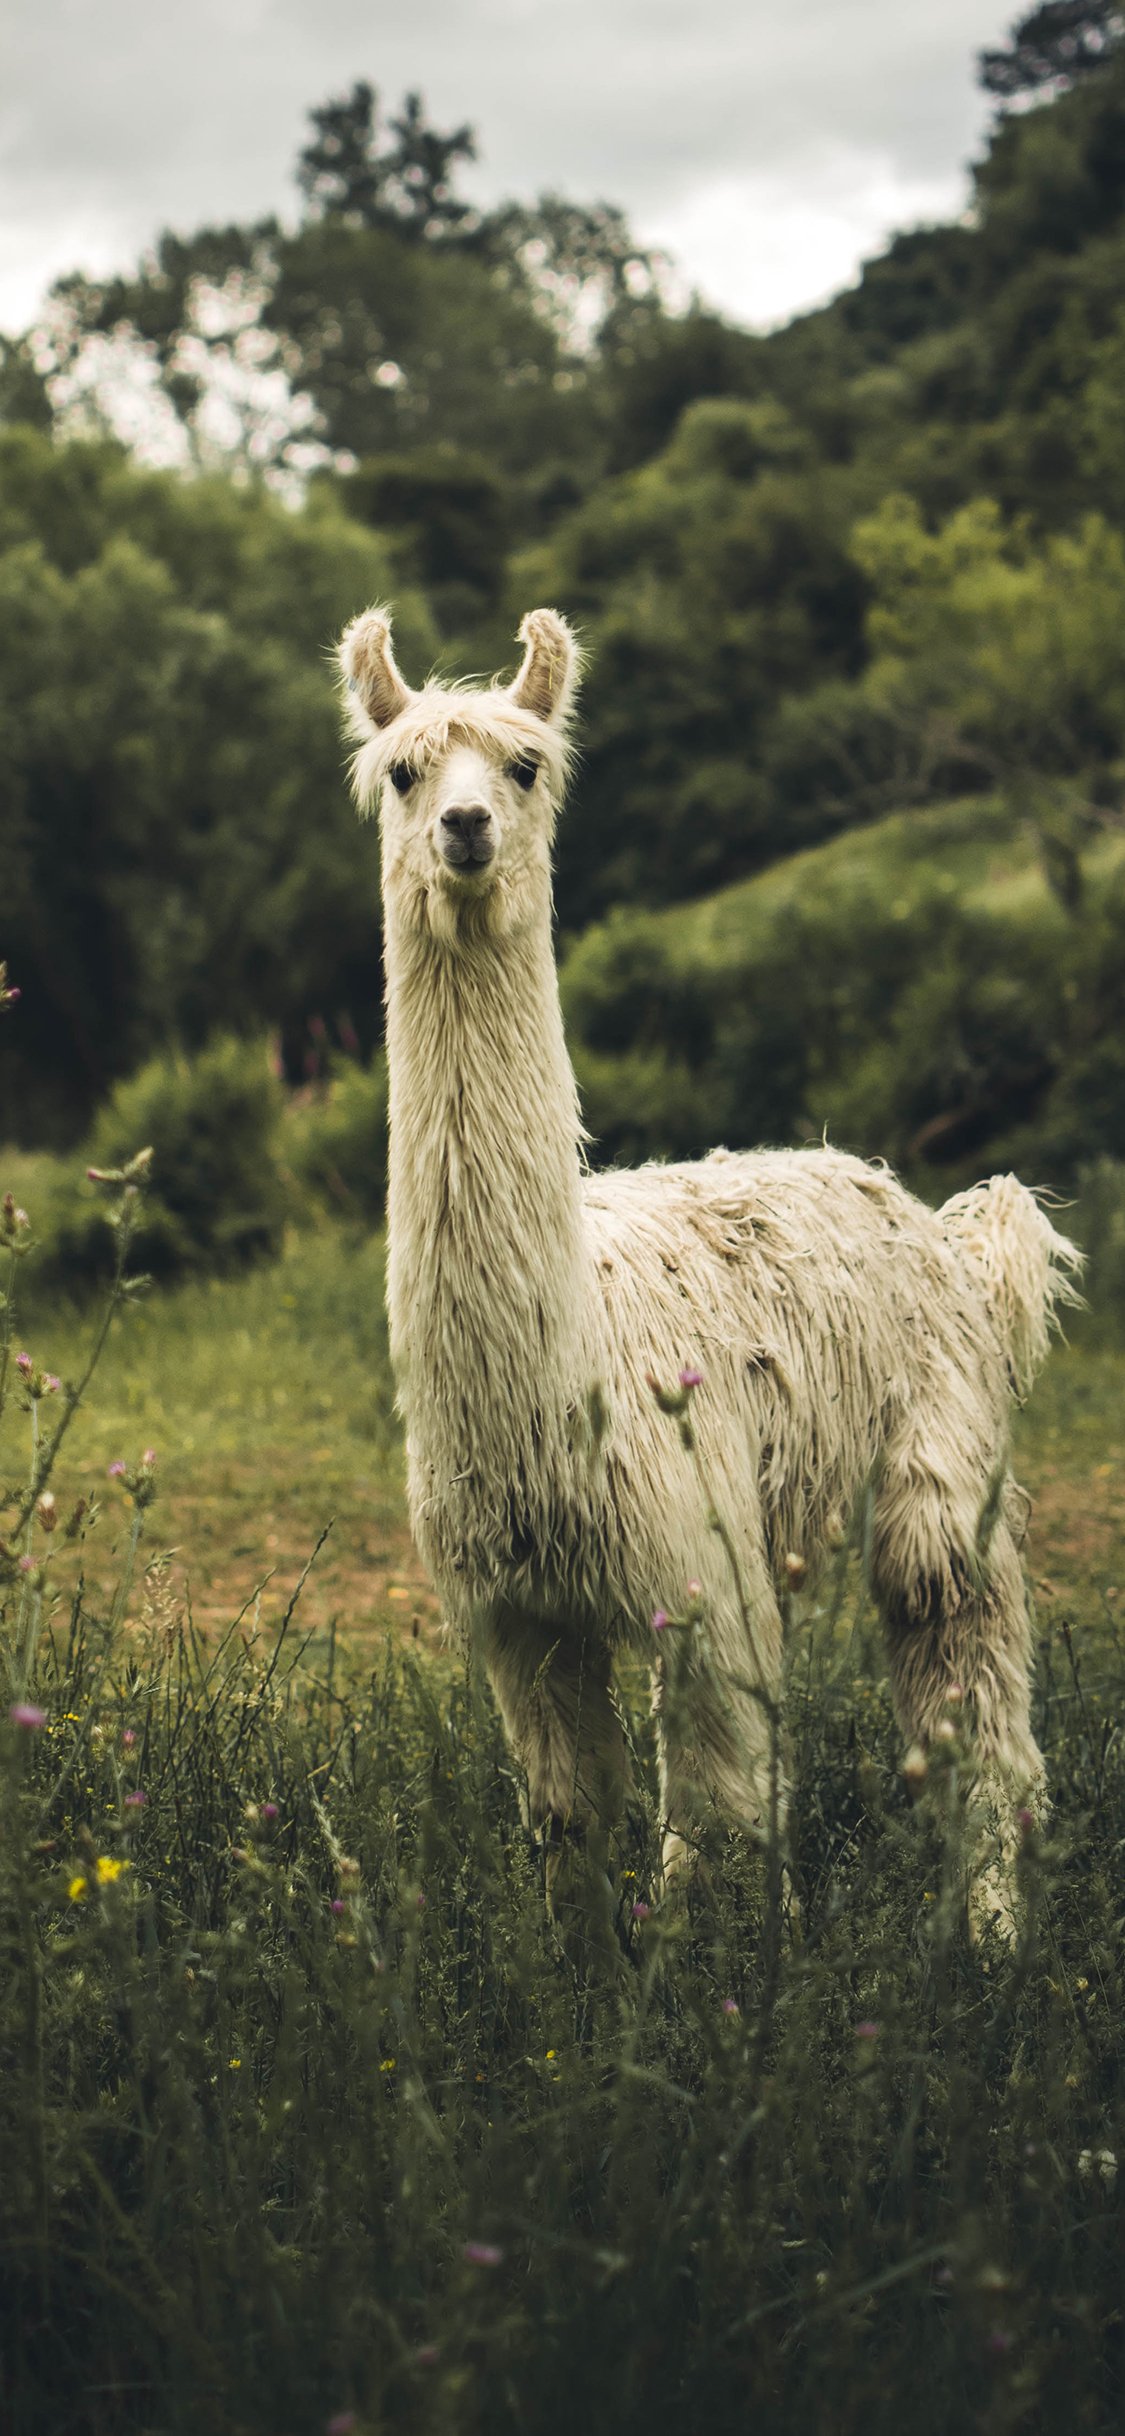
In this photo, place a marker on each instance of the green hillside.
(918, 988)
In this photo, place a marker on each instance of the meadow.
(314, 2119)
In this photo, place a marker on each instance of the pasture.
(314, 2119)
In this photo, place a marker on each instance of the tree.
(1053, 47)
(405, 186)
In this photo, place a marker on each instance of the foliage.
(310, 2110)
(179, 850)
(921, 991)
(334, 1139)
(1054, 46)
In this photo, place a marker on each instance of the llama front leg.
(553, 1692)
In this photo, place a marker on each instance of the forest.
(845, 843)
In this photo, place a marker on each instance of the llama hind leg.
(956, 1623)
(722, 1755)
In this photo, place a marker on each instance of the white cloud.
(739, 130)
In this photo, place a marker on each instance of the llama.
(849, 1340)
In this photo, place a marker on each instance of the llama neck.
(485, 1273)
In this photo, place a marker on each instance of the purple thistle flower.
(50, 1384)
(420, 1902)
(482, 2254)
(729, 2005)
(338, 1905)
(659, 1620)
(116, 1470)
(695, 1589)
(24, 1713)
(135, 1801)
(867, 2029)
(23, 1362)
(128, 1738)
(641, 1911)
(691, 1378)
(149, 1457)
(1025, 1820)
(27, 1564)
(269, 1810)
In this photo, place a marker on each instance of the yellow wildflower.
(109, 1870)
(389, 2065)
(77, 1890)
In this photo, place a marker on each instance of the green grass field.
(313, 2119)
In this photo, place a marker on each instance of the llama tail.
(1029, 1270)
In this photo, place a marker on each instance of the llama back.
(1029, 1270)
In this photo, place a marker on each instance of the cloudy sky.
(768, 144)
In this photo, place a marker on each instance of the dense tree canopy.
(852, 568)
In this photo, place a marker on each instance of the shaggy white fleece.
(852, 1343)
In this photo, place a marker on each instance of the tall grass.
(312, 2116)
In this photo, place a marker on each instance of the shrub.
(334, 1139)
(216, 1196)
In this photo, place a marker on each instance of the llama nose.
(466, 834)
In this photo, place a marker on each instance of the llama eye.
(525, 774)
(402, 777)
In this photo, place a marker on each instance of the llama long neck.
(486, 1270)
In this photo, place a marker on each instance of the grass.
(312, 2117)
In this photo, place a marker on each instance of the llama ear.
(369, 667)
(546, 681)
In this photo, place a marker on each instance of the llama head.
(467, 780)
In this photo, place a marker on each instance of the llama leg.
(554, 1696)
(951, 1619)
(721, 1755)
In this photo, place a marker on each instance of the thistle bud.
(795, 1570)
(46, 1510)
(915, 1767)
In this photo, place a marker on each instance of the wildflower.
(729, 2005)
(420, 1902)
(27, 1564)
(388, 2064)
(128, 1738)
(135, 1801)
(50, 1383)
(659, 1620)
(235, 2064)
(915, 1767)
(867, 2030)
(695, 1590)
(1101, 2160)
(690, 1379)
(1025, 1821)
(641, 1911)
(24, 1713)
(269, 1810)
(77, 1889)
(795, 1570)
(945, 1730)
(148, 1458)
(482, 2254)
(954, 1696)
(338, 1905)
(117, 1470)
(23, 1363)
(108, 1870)
(46, 1510)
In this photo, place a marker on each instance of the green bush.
(334, 1139)
(216, 1197)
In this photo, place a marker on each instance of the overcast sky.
(768, 144)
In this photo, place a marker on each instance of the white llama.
(848, 1338)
